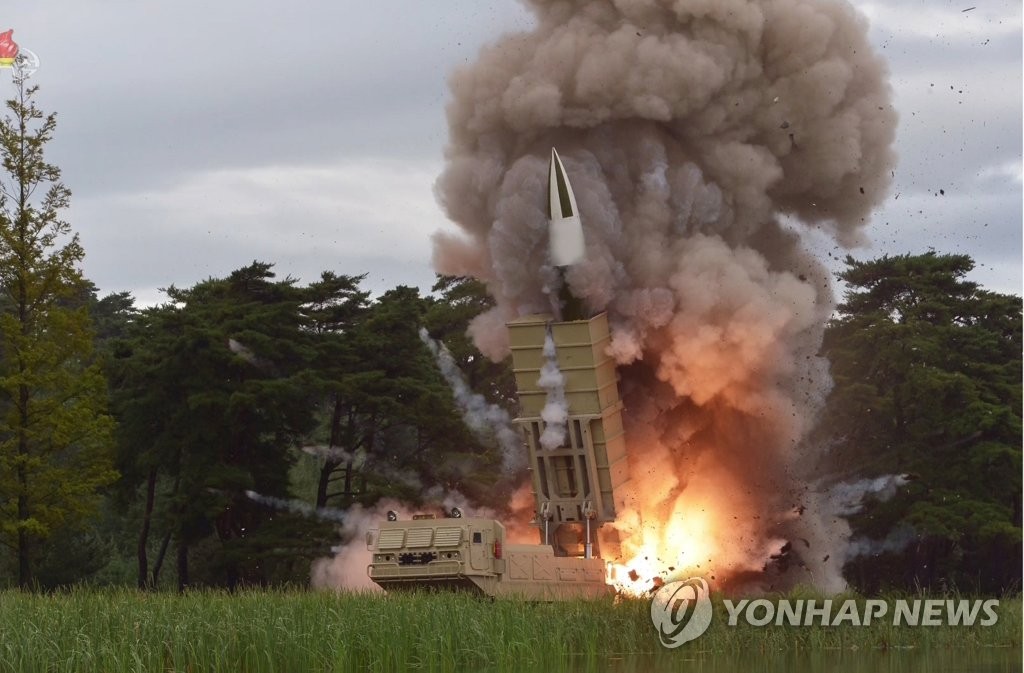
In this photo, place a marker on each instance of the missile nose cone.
(565, 230)
(561, 200)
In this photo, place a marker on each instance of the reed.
(256, 631)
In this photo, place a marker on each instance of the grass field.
(114, 631)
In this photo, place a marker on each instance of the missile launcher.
(574, 484)
(559, 360)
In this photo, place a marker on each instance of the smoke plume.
(896, 540)
(347, 568)
(849, 497)
(703, 139)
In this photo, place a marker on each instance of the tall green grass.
(115, 631)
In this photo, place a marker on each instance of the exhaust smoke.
(704, 139)
(556, 409)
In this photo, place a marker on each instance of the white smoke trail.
(298, 507)
(244, 352)
(849, 497)
(556, 410)
(485, 420)
(333, 453)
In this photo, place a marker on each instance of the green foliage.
(460, 300)
(927, 383)
(216, 390)
(390, 426)
(213, 391)
(55, 434)
(447, 319)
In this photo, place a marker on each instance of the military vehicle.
(574, 483)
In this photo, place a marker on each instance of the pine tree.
(927, 384)
(212, 395)
(55, 434)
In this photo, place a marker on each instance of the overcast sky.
(199, 136)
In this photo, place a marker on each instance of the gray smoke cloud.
(896, 540)
(488, 422)
(703, 139)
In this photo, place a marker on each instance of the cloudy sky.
(199, 136)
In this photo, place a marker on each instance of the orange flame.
(700, 523)
(682, 547)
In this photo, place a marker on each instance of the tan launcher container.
(579, 479)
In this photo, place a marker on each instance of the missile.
(565, 237)
(565, 232)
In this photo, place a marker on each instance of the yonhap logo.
(681, 611)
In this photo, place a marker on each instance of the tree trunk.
(147, 518)
(24, 555)
(159, 562)
(325, 480)
(24, 543)
(330, 464)
(232, 576)
(167, 539)
(24, 562)
(348, 480)
(182, 566)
